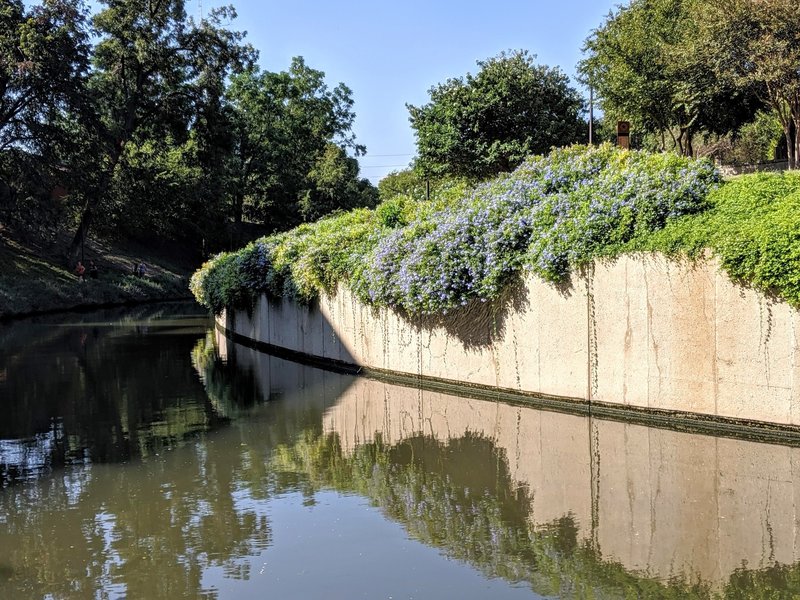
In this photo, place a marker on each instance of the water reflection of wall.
(276, 378)
(659, 502)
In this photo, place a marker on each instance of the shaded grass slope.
(33, 278)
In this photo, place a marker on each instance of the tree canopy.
(487, 123)
(647, 66)
(755, 44)
(292, 135)
(154, 124)
(44, 58)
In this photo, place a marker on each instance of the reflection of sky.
(29, 456)
(105, 525)
(339, 542)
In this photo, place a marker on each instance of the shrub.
(753, 227)
(551, 214)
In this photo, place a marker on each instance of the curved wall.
(639, 332)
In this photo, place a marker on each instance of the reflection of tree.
(98, 390)
(459, 497)
(148, 531)
(151, 528)
(230, 389)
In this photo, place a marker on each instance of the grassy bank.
(34, 278)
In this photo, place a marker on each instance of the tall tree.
(489, 122)
(287, 123)
(645, 66)
(43, 59)
(333, 184)
(756, 43)
(44, 54)
(153, 68)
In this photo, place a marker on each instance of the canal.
(143, 455)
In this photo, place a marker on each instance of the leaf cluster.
(648, 65)
(752, 226)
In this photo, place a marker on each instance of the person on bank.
(93, 272)
(80, 271)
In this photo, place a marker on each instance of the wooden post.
(624, 134)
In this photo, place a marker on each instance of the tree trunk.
(238, 208)
(791, 149)
(87, 216)
(79, 239)
(794, 152)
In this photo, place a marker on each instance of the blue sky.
(391, 52)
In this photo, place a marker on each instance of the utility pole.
(591, 115)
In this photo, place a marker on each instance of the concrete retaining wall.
(641, 332)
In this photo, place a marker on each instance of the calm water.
(141, 456)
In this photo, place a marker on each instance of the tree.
(489, 122)
(334, 185)
(756, 43)
(43, 59)
(408, 182)
(646, 67)
(153, 72)
(284, 162)
(43, 62)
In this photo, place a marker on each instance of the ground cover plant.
(753, 226)
(551, 215)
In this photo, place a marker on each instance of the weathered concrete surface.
(641, 331)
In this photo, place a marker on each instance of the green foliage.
(489, 122)
(648, 66)
(757, 141)
(299, 264)
(44, 57)
(289, 160)
(408, 182)
(552, 214)
(334, 185)
(756, 44)
(753, 143)
(172, 133)
(753, 227)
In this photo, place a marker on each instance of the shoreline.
(35, 279)
(83, 308)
